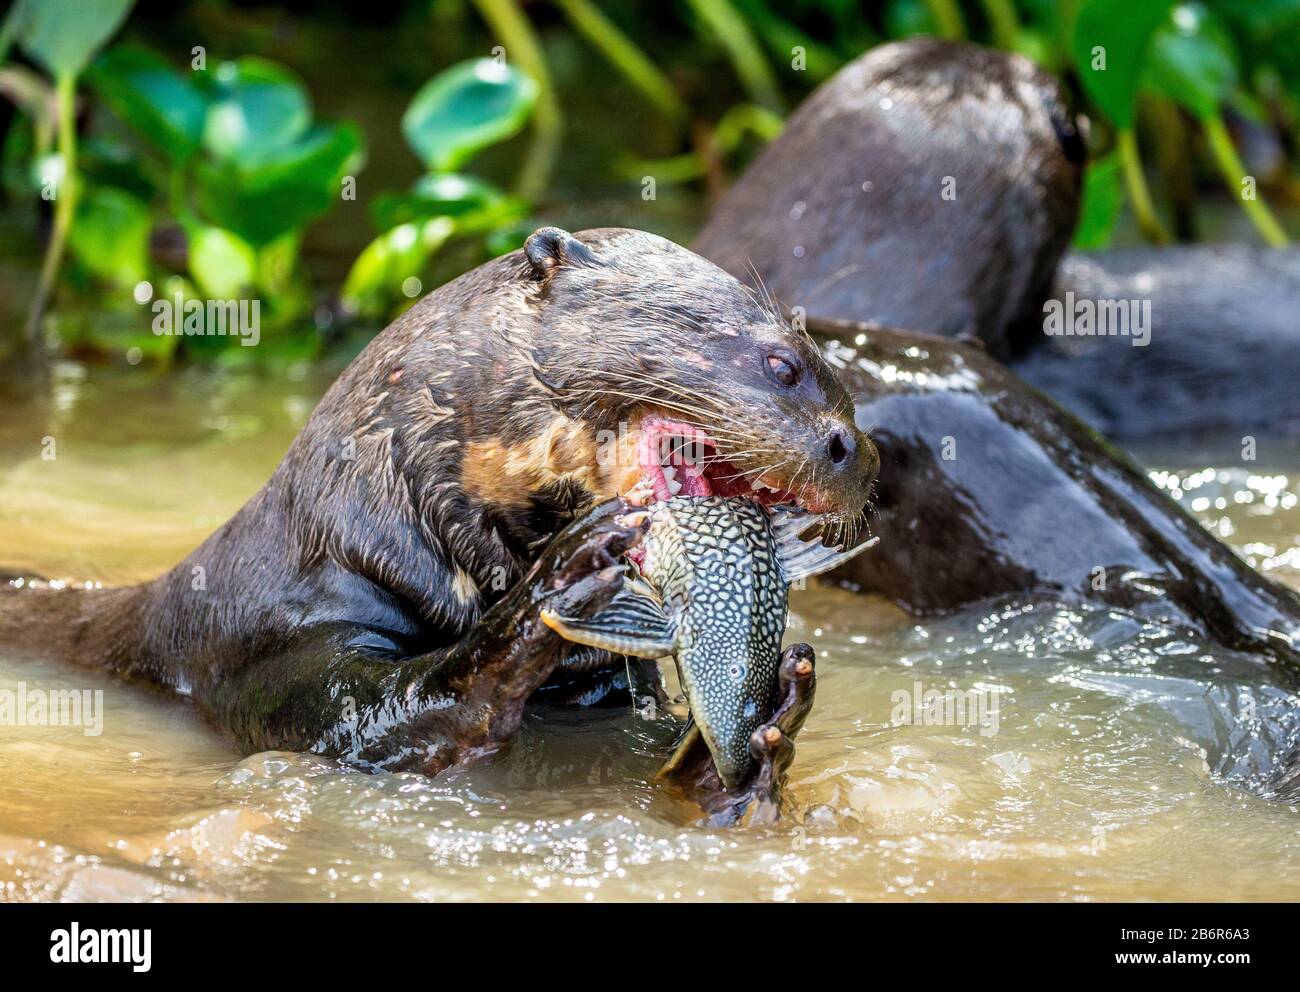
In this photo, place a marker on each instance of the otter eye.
(781, 369)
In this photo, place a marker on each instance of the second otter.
(934, 186)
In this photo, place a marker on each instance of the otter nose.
(852, 456)
(841, 446)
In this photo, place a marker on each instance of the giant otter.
(927, 185)
(933, 186)
(378, 599)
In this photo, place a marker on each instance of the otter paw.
(758, 801)
(583, 567)
(772, 744)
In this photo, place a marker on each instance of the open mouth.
(680, 459)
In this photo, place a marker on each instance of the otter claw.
(599, 545)
(772, 746)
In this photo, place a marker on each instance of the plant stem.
(625, 56)
(65, 202)
(1229, 163)
(1173, 162)
(747, 58)
(1138, 193)
(947, 18)
(742, 119)
(508, 23)
(1005, 24)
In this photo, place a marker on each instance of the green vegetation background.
(335, 160)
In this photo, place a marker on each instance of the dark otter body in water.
(927, 185)
(375, 601)
(1224, 341)
(934, 187)
(989, 491)
(986, 490)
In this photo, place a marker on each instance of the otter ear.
(548, 248)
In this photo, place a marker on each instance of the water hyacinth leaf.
(447, 194)
(64, 35)
(387, 262)
(105, 159)
(281, 191)
(222, 263)
(1103, 195)
(159, 103)
(110, 235)
(257, 108)
(1192, 61)
(277, 263)
(1110, 43)
(466, 108)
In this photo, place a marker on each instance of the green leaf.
(387, 262)
(282, 191)
(466, 108)
(1110, 43)
(258, 108)
(153, 98)
(108, 159)
(1192, 61)
(222, 263)
(110, 235)
(64, 35)
(445, 194)
(1103, 195)
(905, 18)
(277, 268)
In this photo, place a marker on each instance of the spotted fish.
(712, 591)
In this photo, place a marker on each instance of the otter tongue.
(671, 460)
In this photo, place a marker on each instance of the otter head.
(684, 380)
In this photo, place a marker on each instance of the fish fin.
(789, 521)
(637, 586)
(631, 624)
(804, 559)
(685, 741)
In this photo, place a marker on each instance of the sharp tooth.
(674, 486)
(755, 484)
(670, 474)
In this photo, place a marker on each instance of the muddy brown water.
(1106, 764)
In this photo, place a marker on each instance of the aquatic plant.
(454, 115)
(160, 177)
(62, 36)
(1190, 73)
(221, 168)
(234, 160)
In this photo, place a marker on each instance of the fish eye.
(781, 368)
(736, 671)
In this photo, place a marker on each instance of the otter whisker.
(658, 401)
